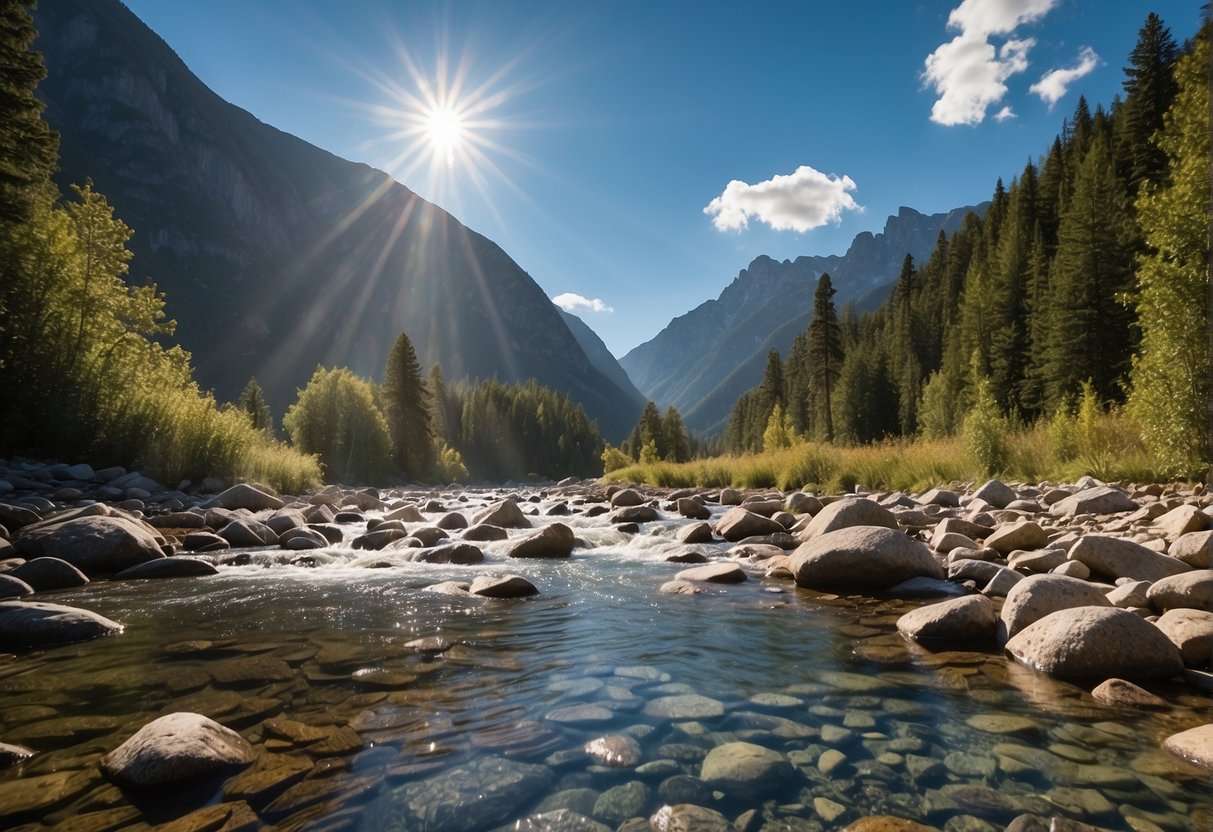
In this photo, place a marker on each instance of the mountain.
(703, 360)
(601, 357)
(276, 255)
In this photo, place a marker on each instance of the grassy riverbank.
(1107, 447)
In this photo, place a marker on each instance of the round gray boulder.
(45, 574)
(746, 771)
(970, 618)
(861, 557)
(553, 541)
(95, 545)
(1191, 590)
(1096, 642)
(38, 624)
(842, 514)
(1036, 596)
(177, 747)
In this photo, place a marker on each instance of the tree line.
(1087, 273)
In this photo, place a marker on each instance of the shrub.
(613, 459)
(985, 430)
(336, 418)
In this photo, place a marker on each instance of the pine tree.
(825, 351)
(407, 407)
(253, 405)
(772, 390)
(1149, 90)
(1089, 327)
(674, 432)
(1171, 373)
(29, 149)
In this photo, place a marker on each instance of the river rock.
(407, 513)
(1114, 557)
(97, 545)
(692, 509)
(1191, 590)
(552, 541)
(177, 747)
(1025, 535)
(502, 586)
(738, 523)
(379, 538)
(614, 750)
(621, 802)
(1194, 549)
(11, 754)
(862, 557)
(1181, 520)
(483, 533)
(633, 514)
(559, 820)
(457, 553)
(245, 532)
(452, 521)
(38, 624)
(1195, 745)
(847, 513)
(997, 493)
(888, 823)
(625, 497)
(173, 567)
(684, 706)
(246, 496)
(504, 515)
(1039, 595)
(714, 573)
(1192, 632)
(479, 794)
(1120, 693)
(304, 539)
(11, 587)
(746, 771)
(677, 587)
(1101, 499)
(970, 618)
(1096, 642)
(694, 533)
(1129, 594)
(689, 817)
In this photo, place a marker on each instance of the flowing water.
(356, 729)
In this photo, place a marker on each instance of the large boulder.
(177, 747)
(1182, 520)
(997, 493)
(46, 574)
(502, 586)
(969, 618)
(842, 514)
(1195, 745)
(553, 541)
(11, 587)
(98, 545)
(1101, 499)
(247, 532)
(1192, 632)
(861, 557)
(714, 573)
(457, 553)
(745, 771)
(739, 523)
(1191, 590)
(174, 567)
(1194, 549)
(1096, 642)
(504, 515)
(1114, 557)
(1025, 535)
(246, 496)
(1036, 596)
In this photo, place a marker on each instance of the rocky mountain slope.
(276, 255)
(601, 357)
(703, 360)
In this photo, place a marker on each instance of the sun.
(444, 130)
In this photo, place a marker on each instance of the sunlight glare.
(444, 130)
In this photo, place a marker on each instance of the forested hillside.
(1087, 271)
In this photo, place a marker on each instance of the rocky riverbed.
(578, 657)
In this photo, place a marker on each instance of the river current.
(361, 727)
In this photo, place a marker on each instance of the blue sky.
(595, 134)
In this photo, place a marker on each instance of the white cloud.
(571, 302)
(1004, 114)
(968, 74)
(799, 201)
(1054, 84)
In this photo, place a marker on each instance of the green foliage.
(255, 408)
(1062, 430)
(1091, 441)
(779, 433)
(943, 405)
(512, 431)
(336, 418)
(448, 465)
(406, 406)
(1150, 87)
(676, 439)
(649, 453)
(824, 355)
(1171, 373)
(28, 147)
(613, 459)
(985, 430)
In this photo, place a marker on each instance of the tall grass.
(1107, 446)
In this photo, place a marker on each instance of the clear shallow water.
(492, 730)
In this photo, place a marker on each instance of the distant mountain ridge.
(276, 255)
(703, 360)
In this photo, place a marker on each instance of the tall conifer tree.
(825, 351)
(407, 407)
